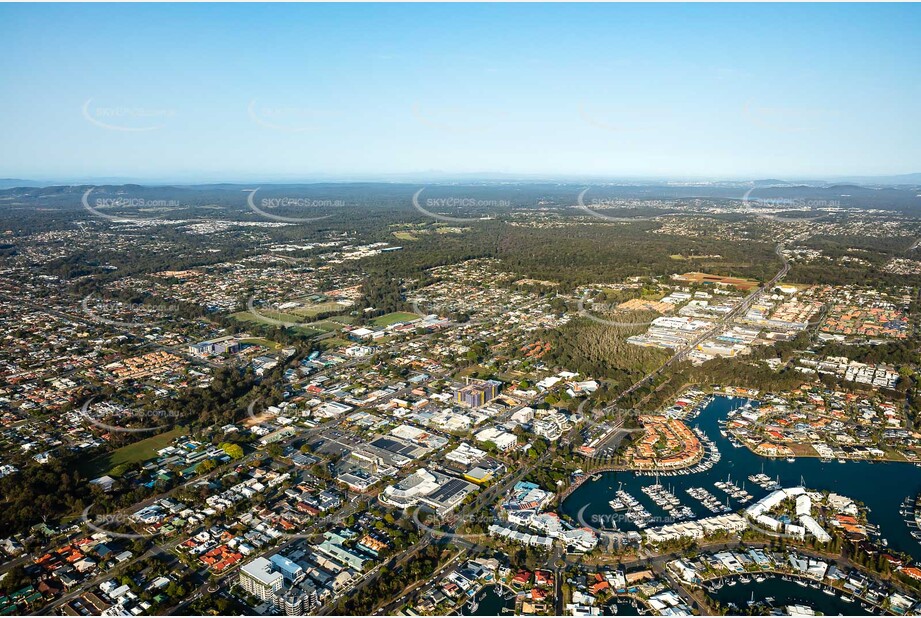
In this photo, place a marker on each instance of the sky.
(213, 92)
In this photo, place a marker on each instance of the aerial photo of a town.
(460, 309)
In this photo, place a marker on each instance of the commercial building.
(214, 347)
(258, 579)
(436, 491)
(478, 393)
(503, 440)
(290, 570)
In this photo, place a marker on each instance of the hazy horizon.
(216, 92)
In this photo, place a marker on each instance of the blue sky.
(220, 92)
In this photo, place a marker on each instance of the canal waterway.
(881, 486)
(778, 593)
(490, 602)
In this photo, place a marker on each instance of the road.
(741, 308)
(485, 498)
(680, 355)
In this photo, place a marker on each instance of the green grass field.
(310, 328)
(313, 310)
(266, 316)
(136, 452)
(263, 342)
(336, 342)
(393, 318)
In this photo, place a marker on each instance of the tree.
(235, 451)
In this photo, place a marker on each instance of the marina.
(734, 491)
(709, 501)
(783, 595)
(491, 600)
(881, 486)
(668, 501)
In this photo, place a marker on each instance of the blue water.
(787, 593)
(880, 486)
(489, 603)
(622, 609)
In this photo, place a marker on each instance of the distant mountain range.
(901, 180)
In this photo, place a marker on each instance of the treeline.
(48, 492)
(900, 352)
(583, 254)
(41, 492)
(601, 351)
(390, 582)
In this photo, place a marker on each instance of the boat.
(791, 459)
(731, 582)
(829, 591)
